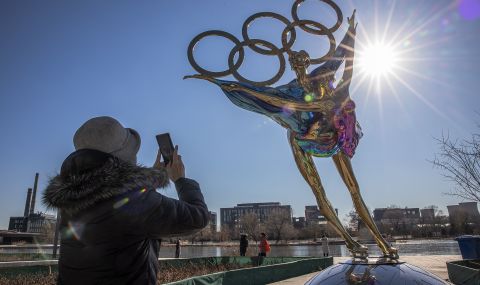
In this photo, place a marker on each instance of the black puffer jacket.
(112, 217)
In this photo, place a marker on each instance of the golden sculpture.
(320, 117)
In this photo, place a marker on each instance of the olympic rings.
(274, 50)
(318, 32)
(193, 43)
(321, 28)
(279, 17)
(268, 47)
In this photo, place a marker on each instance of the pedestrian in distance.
(264, 246)
(243, 244)
(111, 215)
(177, 249)
(324, 240)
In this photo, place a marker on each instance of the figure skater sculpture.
(319, 116)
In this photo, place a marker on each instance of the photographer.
(111, 215)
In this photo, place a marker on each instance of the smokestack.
(32, 207)
(27, 203)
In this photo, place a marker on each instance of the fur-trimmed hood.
(89, 177)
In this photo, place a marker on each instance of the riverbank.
(436, 264)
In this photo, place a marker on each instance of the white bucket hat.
(107, 135)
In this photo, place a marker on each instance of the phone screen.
(166, 146)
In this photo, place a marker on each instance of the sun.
(378, 60)
(385, 59)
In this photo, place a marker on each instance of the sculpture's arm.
(349, 55)
(278, 101)
(270, 96)
(343, 52)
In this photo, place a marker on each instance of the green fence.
(271, 269)
(16, 268)
(464, 272)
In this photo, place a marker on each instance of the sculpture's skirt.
(325, 145)
(338, 131)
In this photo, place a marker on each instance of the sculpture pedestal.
(374, 271)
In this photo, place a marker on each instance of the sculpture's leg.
(342, 161)
(307, 167)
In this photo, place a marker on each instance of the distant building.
(469, 209)
(230, 217)
(31, 222)
(427, 214)
(406, 214)
(212, 223)
(396, 221)
(18, 224)
(313, 215)
(299, 222)
(464, 217)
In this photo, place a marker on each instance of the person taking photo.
(111, 215)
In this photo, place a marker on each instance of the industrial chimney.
(27, 203)
(32, 206)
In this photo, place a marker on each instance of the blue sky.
(63, 62)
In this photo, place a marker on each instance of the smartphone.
(166, 147)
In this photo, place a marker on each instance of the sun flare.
(378, 60)
(386, 57)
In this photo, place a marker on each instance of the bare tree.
(277, 222)
(330, 231)
(312, 230)
(206, 234)
(352, 219)
(250, 224)
(289, 232)
(225, 234)
(440, 223)
(460, 163)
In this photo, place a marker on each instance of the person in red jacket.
(264, 246)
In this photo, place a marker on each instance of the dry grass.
(30, 279)
(172, 274)
(167, 274)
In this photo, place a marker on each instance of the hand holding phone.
(176, 169)
(166, 147)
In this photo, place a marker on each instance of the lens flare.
(287, 110)
(308, 97)
(120, 203)
(469, 9)
(73, 229)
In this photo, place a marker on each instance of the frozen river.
(413, 247)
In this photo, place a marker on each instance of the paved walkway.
(435, 264)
